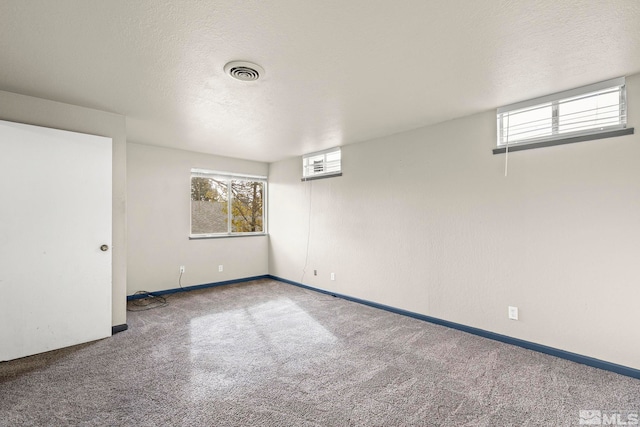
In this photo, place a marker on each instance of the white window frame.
(316, 165)
(556, 136)
(229, 176)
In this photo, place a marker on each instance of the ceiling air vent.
(245, 71)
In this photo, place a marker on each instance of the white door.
(55, 214)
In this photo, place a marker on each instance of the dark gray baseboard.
(119, 328)
(194, 287)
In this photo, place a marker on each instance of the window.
(224, 204)
(589, 112)
(322, 164)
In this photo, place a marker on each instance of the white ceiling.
(336, 71)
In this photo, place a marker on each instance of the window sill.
(329, 175)
(562, 141)
(224, 236)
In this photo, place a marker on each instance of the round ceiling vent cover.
(245, 71)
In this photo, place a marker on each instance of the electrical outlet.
(182, 269)
(333, 276)
(220, 268)
(315, 272)
(513, 313)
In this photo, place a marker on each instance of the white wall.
(159, 220)
(426, 221)
(41, 112)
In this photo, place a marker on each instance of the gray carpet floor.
(265, 353)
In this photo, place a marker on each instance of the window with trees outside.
(225, 204)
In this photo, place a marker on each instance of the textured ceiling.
(337, 71)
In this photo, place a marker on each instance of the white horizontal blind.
(203, 173)
(587, 110)
(322, 163)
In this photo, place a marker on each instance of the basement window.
(589, 112)
(322, 164)
(225, 204)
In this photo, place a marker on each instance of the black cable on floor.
(149, 302)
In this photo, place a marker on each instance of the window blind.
(322, 164)
(204, 173)
(600, 107)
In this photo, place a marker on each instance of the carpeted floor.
(266, 353)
